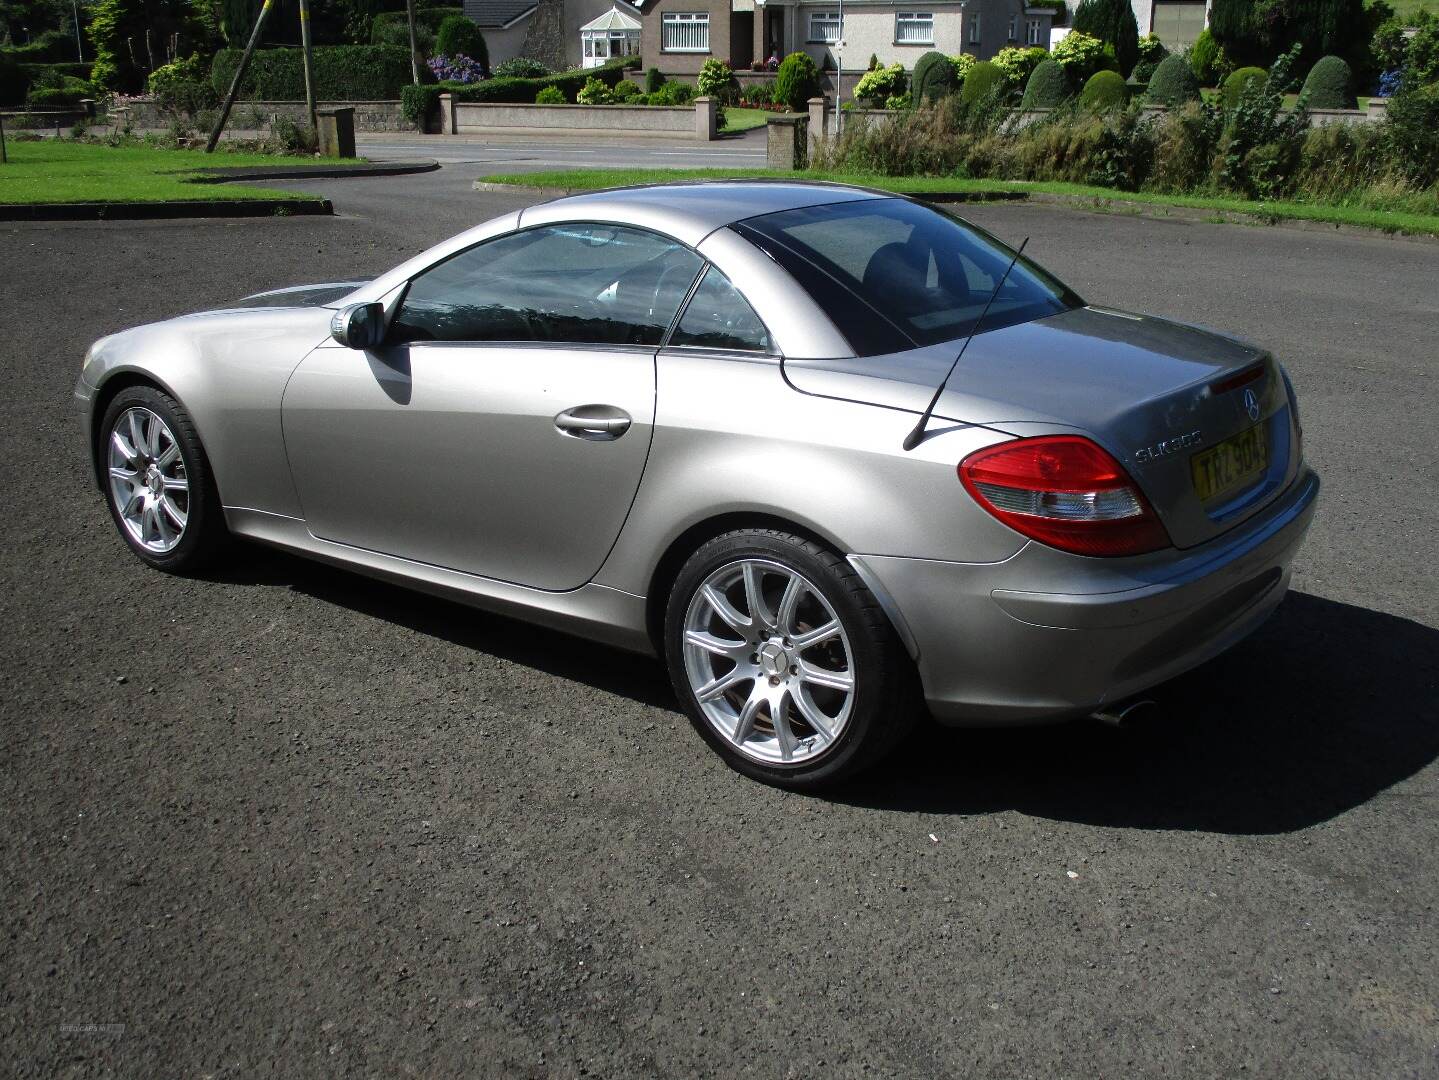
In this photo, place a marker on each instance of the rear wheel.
(783, 660)
(157, 481)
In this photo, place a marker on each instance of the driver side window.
(584, 284)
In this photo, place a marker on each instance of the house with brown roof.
(680, 35)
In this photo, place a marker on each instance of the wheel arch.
(108, 391)
(667, 569)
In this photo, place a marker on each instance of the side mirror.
(359, 326)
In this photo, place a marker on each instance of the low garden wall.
(373, 116)
(696, 121)
(822, 119)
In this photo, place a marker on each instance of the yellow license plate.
(1232, 464)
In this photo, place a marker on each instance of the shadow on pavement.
(1322, 709)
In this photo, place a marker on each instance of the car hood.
(1152, 392)
(322, 295)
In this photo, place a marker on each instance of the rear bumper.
(1047, 635)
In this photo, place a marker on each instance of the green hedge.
(421, 101)
(51, 47)
(984, 78)
(934, 77)
(73, 70)
(391, 27)
(59, 98)
(1233, 88)
(342, 73)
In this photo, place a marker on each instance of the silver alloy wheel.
(769, 662)
(148, 484)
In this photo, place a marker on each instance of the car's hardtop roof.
(691, 210)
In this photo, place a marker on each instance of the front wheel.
(784, 661)
(157, 481)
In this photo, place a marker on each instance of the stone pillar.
(785, 145)
(447, 115)
(1377, 107)
(337, 132)
(818, 121)
(705, 129)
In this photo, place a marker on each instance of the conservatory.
(613, 34)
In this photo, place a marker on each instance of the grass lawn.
(1389, 221)
(738, 119)
(49, 171)
(1409, 7)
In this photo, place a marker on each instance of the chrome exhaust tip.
(1124, 713)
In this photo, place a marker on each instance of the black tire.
(204, 535)
(886, 699)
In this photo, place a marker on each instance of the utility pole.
(308, 61)
(239, 77)
(414, 42)
(79, 47)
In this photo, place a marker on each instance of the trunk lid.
(1156, 394)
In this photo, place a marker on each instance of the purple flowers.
(1389, 82)
(460, 69)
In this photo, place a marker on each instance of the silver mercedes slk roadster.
(724, 423)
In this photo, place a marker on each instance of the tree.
(132, 38)
(1254, 32)
(1111, 21)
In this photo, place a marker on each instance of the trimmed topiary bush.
(1173, 83)
(935, 76)
(796, 82)
(1233, 87)
(983, 79)
(1048, 87)
(1330, 85)
(550, 95)
(624, 91)
(459, 36)
(1104, 90)
(654, 79)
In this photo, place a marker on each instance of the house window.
(974, 29)
(824, 27)
(685, 31)
(1035, 28)
(1014, 28)
(914, 28)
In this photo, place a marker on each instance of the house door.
(741, 40)
(774, 43)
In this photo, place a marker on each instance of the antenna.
(916, 436)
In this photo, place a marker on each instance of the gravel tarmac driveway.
(286, 821)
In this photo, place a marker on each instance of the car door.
(503, 428)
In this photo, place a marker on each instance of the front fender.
(229, 371)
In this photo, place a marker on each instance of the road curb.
(144, 211)
(220, 174)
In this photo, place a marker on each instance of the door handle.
(596, 423)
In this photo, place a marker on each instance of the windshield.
(894, 275)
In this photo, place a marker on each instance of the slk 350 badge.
(1167, 447)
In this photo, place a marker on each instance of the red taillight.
(1064, 491)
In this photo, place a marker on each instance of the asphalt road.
(288, 821)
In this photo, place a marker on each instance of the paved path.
(287, 821)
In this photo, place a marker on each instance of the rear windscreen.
(892, 274)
